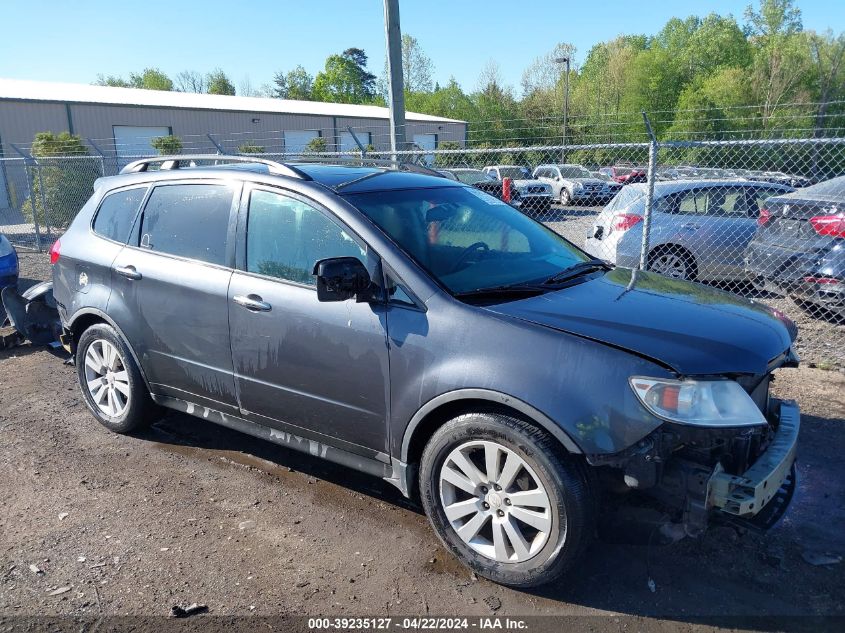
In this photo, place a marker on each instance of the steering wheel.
(477, 246)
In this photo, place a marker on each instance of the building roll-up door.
(427, 143)
(348, 144)
(297, 140)
(132, 142)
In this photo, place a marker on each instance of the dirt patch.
(189, 512)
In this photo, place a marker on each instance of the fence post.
(101, 155)
(30, 183)
(649, 199)
(28, 160)
(43, 199)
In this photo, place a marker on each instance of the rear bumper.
(748, 494)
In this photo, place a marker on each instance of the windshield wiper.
(577, 270)
(503, 290)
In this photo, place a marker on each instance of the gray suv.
(422, 331)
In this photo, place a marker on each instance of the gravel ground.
(188, 512)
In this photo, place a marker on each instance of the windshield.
(467, 239)
(574, 172)
(470, 177)
(515, 173)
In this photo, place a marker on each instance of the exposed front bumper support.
(747, 494)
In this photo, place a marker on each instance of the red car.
(624, 175)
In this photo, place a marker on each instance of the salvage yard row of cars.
(710, 225)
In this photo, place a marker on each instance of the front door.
(311, 368)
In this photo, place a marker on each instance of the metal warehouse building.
(122, 121)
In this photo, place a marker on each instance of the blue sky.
(74, 41)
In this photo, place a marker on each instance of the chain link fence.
(762, 219)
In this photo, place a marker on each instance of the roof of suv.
(341, 178)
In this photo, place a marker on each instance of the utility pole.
(565, 60)
(393, 35)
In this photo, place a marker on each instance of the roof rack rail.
(175, 162)
(364, 161)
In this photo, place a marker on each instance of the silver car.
(574, 183)
(700, 229)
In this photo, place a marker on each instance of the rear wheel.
(110, 380)
(673, 262)
(505, 498)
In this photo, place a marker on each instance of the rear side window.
(189, 221)
(117, 212)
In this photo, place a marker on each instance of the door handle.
(252, 302)
(128, 271)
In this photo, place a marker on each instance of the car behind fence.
(764, 219)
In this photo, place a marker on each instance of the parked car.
(800, 245)
(420, 330)
(533, 194)
(481, 180)
(8, 263)
(624, 175)
(573, 183)
(700, 229)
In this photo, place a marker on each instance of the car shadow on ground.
(724, 578)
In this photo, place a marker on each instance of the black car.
(800, 245)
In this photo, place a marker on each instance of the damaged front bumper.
(747, 495)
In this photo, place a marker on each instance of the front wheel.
(565, 198)
(506, 498)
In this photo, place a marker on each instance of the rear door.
(170, 290)
(314, 369)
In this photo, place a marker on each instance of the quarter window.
(188, 220)
(286, 237)
(117, 212)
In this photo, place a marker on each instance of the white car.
(533, 194)
(574, 183)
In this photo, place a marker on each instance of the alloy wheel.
(106, 378)
(495, 501)
(671, 265)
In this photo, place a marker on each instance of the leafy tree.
(416, 66)
(167, 145)
(112, 80)
(151, 79)
(316, 145)
(61, 179)
(773, 18)
(250, 147)
(345, 79)
(295, 84)
(218, 83)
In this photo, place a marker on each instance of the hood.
(524, 182)
(692, 328)
(587, 181)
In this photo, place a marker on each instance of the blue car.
(8, 263)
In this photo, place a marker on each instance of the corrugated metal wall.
(19, 121)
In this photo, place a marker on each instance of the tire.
(122, 403)
(673, 262)
(565, 198)
(523, 555)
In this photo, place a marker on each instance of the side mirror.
(342, 278)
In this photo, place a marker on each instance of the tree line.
(700, 77)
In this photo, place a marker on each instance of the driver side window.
(285, 237)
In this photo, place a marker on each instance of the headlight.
(5, 247)
(719, 403)
(578, 186)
